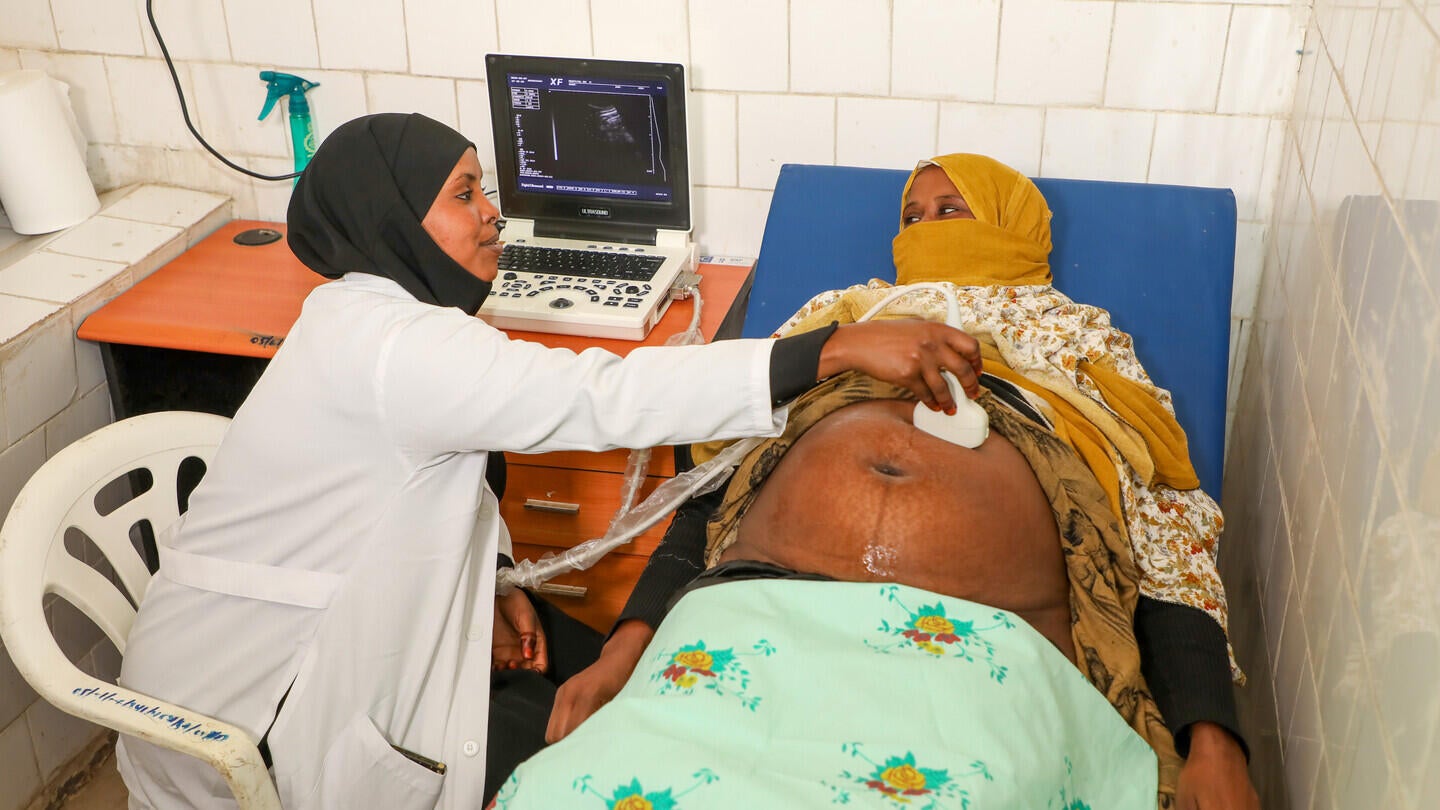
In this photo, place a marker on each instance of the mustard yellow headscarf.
(1007, 243)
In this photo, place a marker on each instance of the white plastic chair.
(34, 562)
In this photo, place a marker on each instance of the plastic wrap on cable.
(637, 466)
(692, 335)
(665, 499)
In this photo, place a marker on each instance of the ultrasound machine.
(594, 184)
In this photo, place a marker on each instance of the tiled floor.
(104, 792)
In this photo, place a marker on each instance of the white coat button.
(474, 634)
(471, 748)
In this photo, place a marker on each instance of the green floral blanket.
(784, 693)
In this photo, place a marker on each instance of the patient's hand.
(518, 641)
(1214, 776)
(599, 683)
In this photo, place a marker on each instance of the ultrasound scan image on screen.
(592, 137)
(608, 137)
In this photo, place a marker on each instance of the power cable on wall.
(491, 193)
(184, 111)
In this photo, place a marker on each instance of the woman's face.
(462, 221)
(932, 197)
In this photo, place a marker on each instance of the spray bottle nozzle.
(279, 84)
(302, 134)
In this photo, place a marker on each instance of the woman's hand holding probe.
(909, 353)
(518, 641)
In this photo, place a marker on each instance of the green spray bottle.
(302, 135)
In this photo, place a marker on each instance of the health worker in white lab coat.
(332, 587)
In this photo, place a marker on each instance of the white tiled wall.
(884, 132)
(1101, 89)
(361, 35)
(640, 29)
(860, 67)
(1189, 92)
(97, 27)
(52, 392)
(1053, 53)
(1333, 482)
(776, 129)
(1164, 57)
(1101, 69)
(448, 38)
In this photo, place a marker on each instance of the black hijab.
(359, 203)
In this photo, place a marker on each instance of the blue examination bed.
(1160, 258)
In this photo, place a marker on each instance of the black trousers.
(520, 700)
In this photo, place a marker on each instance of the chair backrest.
(74, 494)
(1159, 258)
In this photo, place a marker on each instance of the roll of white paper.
(43, 183)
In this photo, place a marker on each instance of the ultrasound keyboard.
(609, 264)
(612, 291)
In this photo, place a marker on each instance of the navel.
(887, 469)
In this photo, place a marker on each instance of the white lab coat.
(344, 539)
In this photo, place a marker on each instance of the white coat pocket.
(362, 770)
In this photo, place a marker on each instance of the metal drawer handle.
(575, 591)
(561, 507)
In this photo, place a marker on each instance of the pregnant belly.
(864, 496)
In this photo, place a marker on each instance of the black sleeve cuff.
(795, 363)
(679, 559)
(503, 561)
(495, 476)
(1186, 662)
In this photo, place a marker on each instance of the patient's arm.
(680, 557)
(1186, 663)
(864, 496)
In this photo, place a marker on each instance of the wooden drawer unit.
(557, 507)
(552, 504)
(596, 596)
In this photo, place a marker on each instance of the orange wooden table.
(233, 304)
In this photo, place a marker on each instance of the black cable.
(174, 77)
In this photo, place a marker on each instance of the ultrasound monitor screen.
(591, 136)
